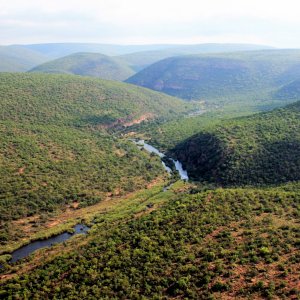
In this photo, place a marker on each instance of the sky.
(275, 23)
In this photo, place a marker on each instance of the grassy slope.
(55, 148)
(87, 64)
(166, 135)
(263, 148)
(223, 243)
(19, 59)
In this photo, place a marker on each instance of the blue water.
(178, 166)
(30, 248)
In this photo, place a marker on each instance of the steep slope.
(87, 64)
(140, 60)
(214, 76)
(55, 149)
(19, 59)
(261, 149)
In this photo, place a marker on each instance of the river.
(178, 165)
(39, 244)
(26, 250)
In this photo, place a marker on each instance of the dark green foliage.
(46, 166)
(194, 247)
(79, 101)
(55, 148)
(87, 64)
(260, 149)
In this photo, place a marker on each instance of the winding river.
(178, 166)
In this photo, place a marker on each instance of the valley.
(184, 179)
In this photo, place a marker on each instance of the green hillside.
(19, 59)
(80, 101)
(61, 165)
(226, 243)
(260, 149)
(228, 77)
(87, 64)
(55, 148)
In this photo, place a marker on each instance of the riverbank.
(125, 208)
(169, 168)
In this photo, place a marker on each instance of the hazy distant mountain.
(87, 64)
(290, 91)
(55, 50)
(19, 59)
(140, 60)
(217, 75)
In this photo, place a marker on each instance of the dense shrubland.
(237, 242)
(59, 137)
(56, 149)
(259, 149)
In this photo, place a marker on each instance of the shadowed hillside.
(230, 77)
(261, 149)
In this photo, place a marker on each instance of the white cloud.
(156, 20)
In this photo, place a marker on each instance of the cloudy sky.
(269, 22)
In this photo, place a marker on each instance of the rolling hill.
(19, 59)
(186, 241)
(56, 50)
(55, 146)
(140, 60)
(80, 101)
(87, 64)
(260, 149)
(227, 77)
